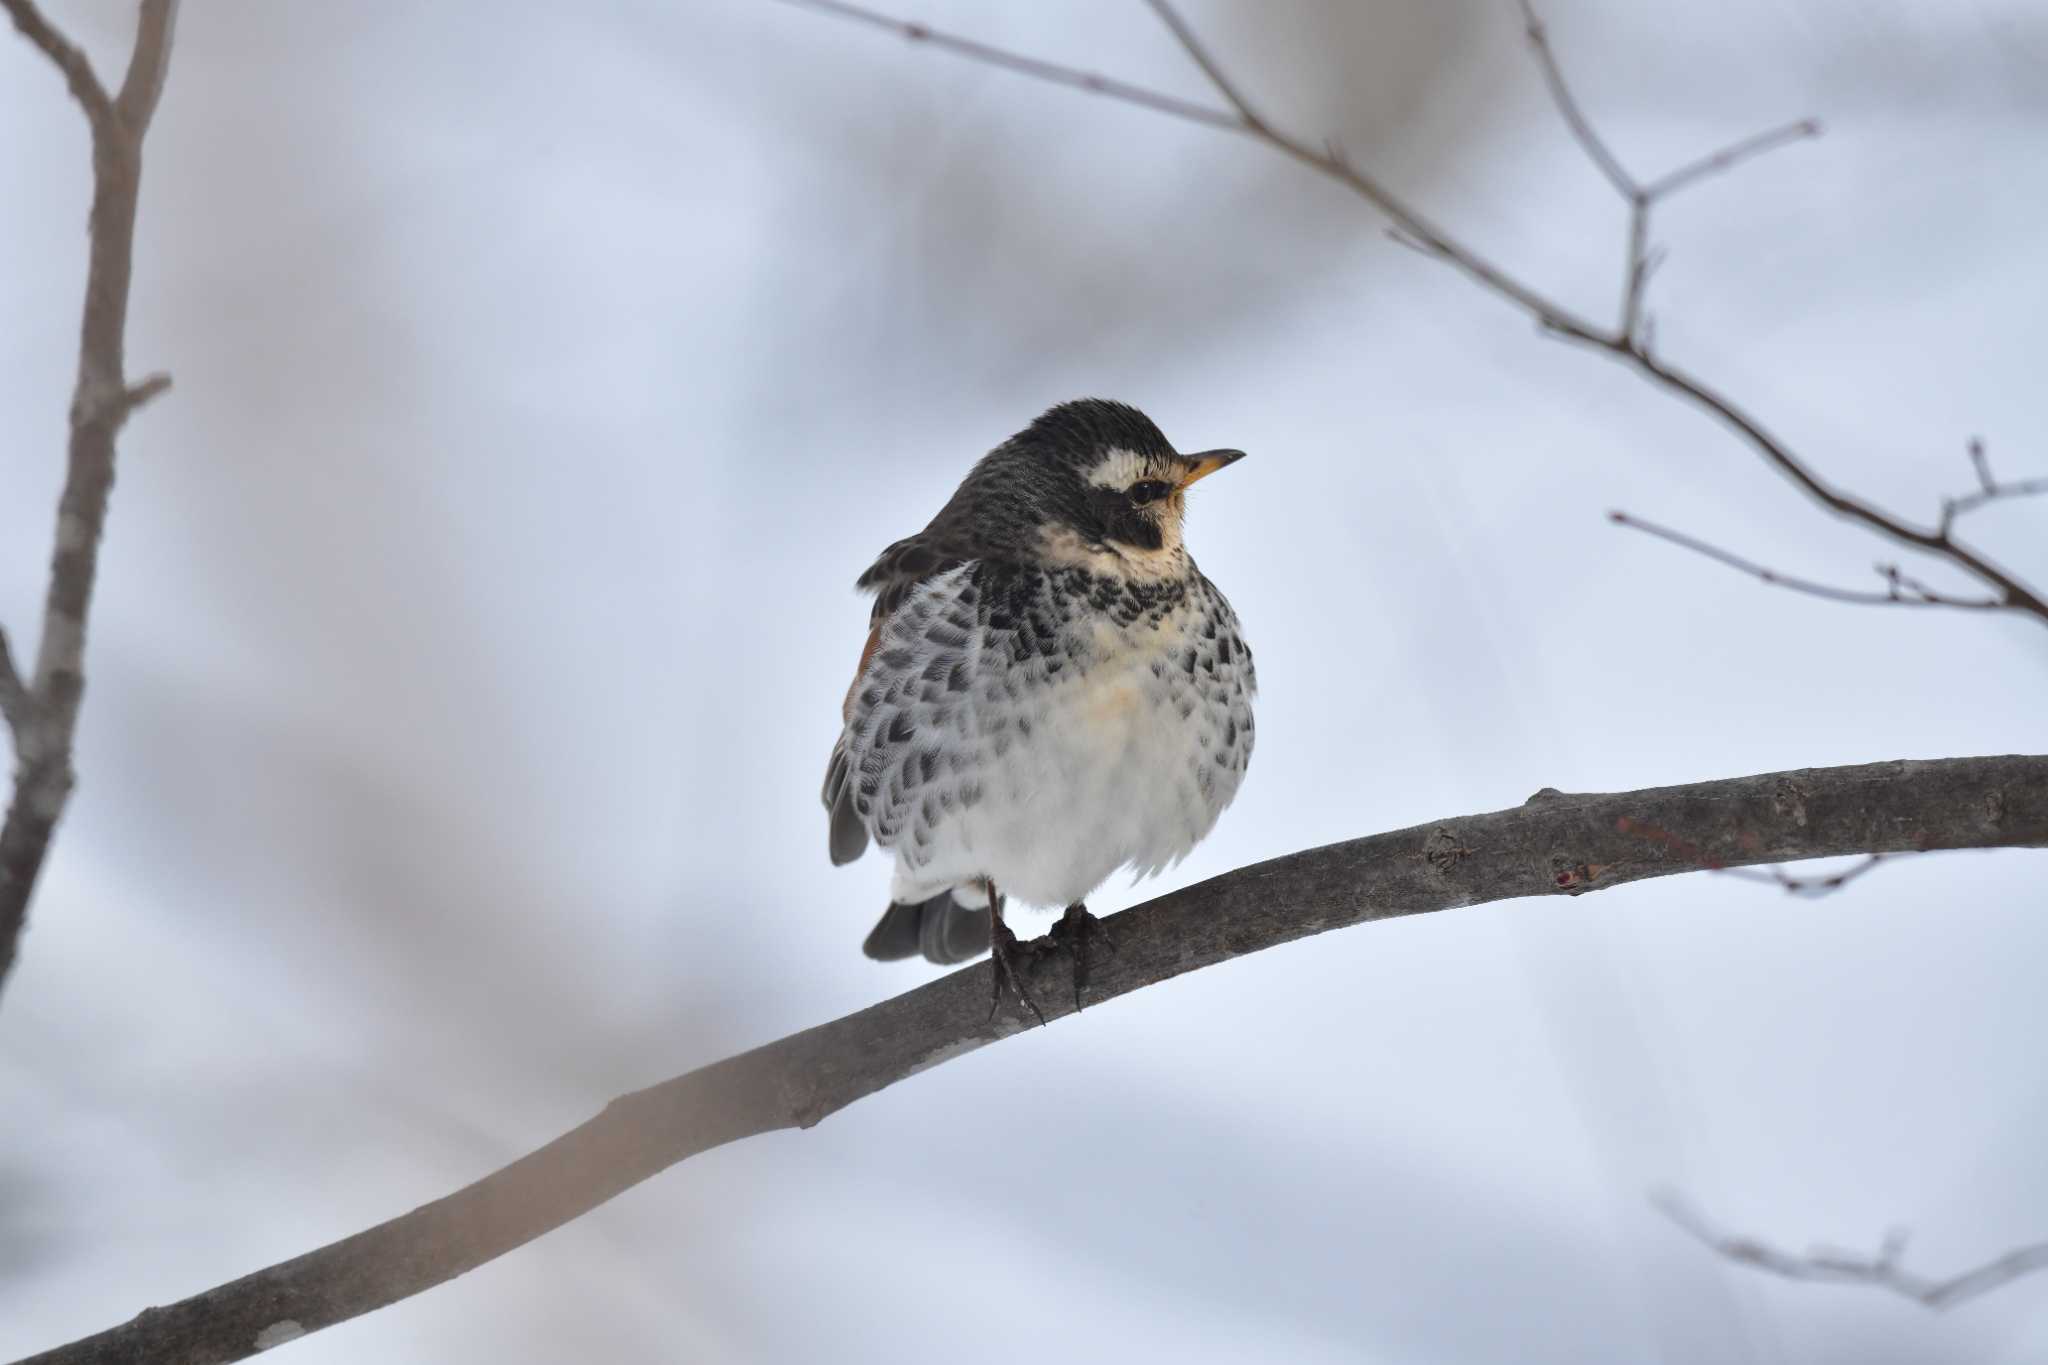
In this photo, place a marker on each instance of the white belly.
(1125, 756)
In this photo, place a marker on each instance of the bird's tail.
(941, 928)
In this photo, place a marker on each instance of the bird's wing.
(898, 571)
(887, 775)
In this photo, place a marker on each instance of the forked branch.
(1629, 341)
(42, 708)
(1881, 1270)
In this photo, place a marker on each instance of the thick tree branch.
(1881, 1271)
(101, 403)
(1627, 342)
(1554, 844)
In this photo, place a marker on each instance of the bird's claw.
(1006, 956)
(1079, 931)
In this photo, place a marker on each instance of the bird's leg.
(1005, 955)
(1079, 930)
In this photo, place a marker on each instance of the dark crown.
(1081, 430)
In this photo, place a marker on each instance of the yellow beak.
(1208, 462)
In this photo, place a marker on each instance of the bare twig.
(1433, 240)
(1879, 1271)
(78, 72)
(1989, 489)
(1560, 844)
(1192, 45)
(2011, 593)
(1561, 94)
(1751, 841)
(1809, 887)
(1031, 66)
(1629, 341)
(1727, 158)
(15, 702)
(101, 404)
(1904, 591)
(1641, 260)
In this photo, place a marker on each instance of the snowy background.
(476, 609)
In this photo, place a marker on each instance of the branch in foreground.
(1628, 342)
(1881, 1271)
(1555, 844)
(43, 710)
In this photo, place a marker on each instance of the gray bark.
(1556, 844)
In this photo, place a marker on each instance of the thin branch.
(16, 705)
(1879, 1271)
(1811, 888)
(1981, 462)
(101, 404)
(1554, 844)
(1434, 240)
(1211, 68)
(1640, 261)
(1989, 489)
(1561, 94)
(1628, 342)
(1031, 66)
(2012, 593)
(147, 66)
(69, 59)
(1896, 597)
(1727, 158)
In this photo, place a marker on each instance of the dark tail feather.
(849, 838)
(942, 929)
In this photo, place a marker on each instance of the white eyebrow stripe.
(1121, 468)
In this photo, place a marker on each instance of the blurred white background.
(476, 609)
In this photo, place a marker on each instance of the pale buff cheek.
(1066, 548)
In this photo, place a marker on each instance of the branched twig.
(1879, 1271)
(1629, 341)
(1989, 489)
(44, 708)
(1031, 66)
(1561, 94)
(1903, 592)
(1433, 240)
(1554, 844)
(78, 72)
(1713, 163)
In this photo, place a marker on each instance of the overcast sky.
(475, 612)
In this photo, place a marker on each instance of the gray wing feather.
(849, 837)
(898, 764)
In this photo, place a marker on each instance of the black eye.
(1151, 490)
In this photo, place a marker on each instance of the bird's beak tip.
(1201, 466)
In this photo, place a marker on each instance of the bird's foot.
(1078, 931)
(1007, 956)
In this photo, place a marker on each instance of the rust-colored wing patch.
(867, 653)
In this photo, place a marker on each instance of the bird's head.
(1104, 489)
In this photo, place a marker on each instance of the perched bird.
(1050, 691)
